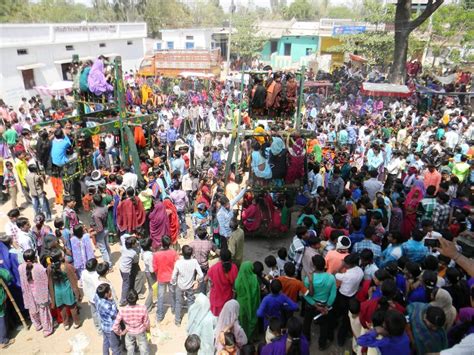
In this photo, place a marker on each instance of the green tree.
(300, 10)
(404, 26)
(340, 12)
(162, 14)
(450, 25)
(246, 42)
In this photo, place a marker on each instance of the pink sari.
(296, 157)
(414, 197)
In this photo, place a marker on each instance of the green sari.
(248, 295)
(106, 199)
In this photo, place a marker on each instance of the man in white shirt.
(315, 180)
(129, 179)
(25, 239)
(90, 282)
(349, 285)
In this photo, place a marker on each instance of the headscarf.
(201, 322)
(159, 224)
(96, 79)
(298, 148)
(248, 295)
(173, 220)
(444, 301)
(229, 316)
(411, 201)
(277, 145)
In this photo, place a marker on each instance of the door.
(287, 49)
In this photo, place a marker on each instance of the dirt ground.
(167, 338)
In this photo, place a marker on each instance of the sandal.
(75, 326)
(67, 327)
(7, 344)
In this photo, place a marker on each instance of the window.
(69, 47)
(129, 43)
(309, 51)
(189, 45)
(28, 78)
(287, 49)
(158, 46)
(102, 45)
(189, 38)
(22, 51)
(273, 46)
(170, 45)
(66, 71)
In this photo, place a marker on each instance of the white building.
(194, 38)
(40, 54)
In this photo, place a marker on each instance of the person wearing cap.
(422, 290)
(349, 285)
(335, 258)
(35, 184)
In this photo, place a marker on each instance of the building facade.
(41, 54)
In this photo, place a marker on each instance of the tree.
(404, 26)
(300, 10)
(340, 12)
(246, 41)
(451, 24)
(162, 14)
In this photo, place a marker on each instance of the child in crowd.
(273, 271)
(102, 270)
(9, 181)
(107, 312)
(90, 282)
(69, 215)
(192, 344)
(82, 249)
(147, 257)
(281, 260)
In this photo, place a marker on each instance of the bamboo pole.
(12, 300)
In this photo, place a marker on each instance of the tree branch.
(430, 8)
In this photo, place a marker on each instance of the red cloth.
(222, 286)
(172, 213)
(163, 264)
(130, 215)
(368, 308)
(159, 224)
(252, 217)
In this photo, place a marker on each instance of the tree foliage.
(246, 41)
(300, 10)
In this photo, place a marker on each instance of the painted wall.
(326, 44)
(299, 47)
(186, 38)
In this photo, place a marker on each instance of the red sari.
(414, 198)
(252, 217)
(221, 287)
(296, 158)
(130, 214)
(173, 219)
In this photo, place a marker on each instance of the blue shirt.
(107, 311)
(356, 237)
(171, 135)
(414, 251)
(224, 215)
(417, 295)
(387, 345)
(368, 244)
(273, 306)
(58, 151)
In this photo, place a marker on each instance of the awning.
(31, 66)
(108, 55)
(391, 90)
(58, 88)
(357, 58)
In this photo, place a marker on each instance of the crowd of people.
(377, 193)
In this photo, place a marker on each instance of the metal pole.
(232, 9)
(300, 99)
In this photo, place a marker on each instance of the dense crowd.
(376, 191)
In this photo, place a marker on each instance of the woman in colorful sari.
(202, 323)
(96, 81)
(296, 159)
(229, 322)
(34, 286)
(173, 219)
(63, 290)
(412, 201)
(248, 295)
(159, 224)
(427, 330)
(222, 276)
(252, 216)
(130, 212)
